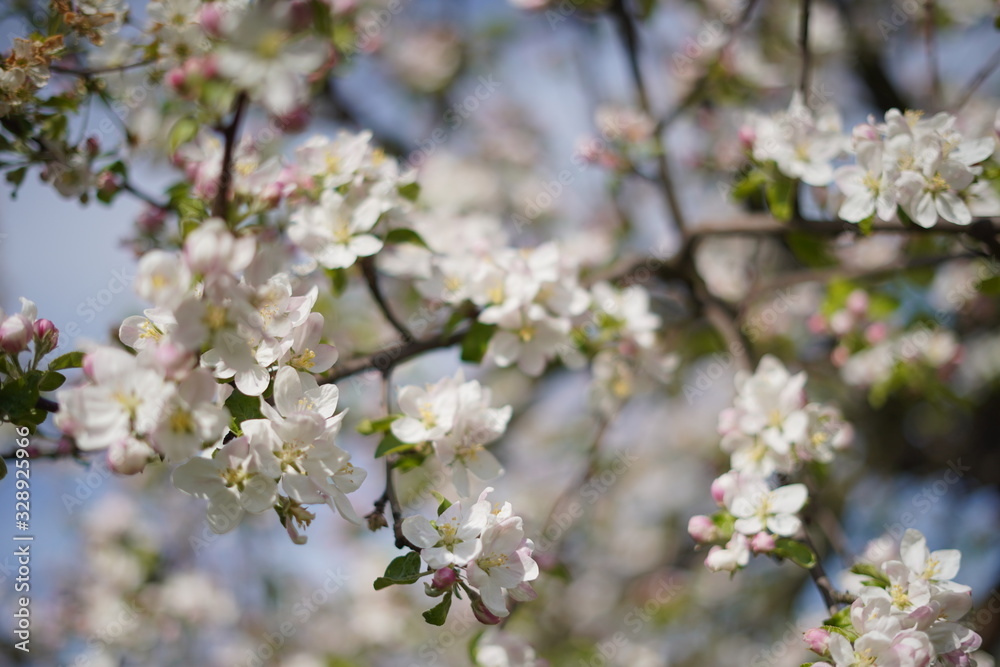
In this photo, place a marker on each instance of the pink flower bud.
(176, 78)
(15, 334)
(209, 67)
(482, 614)
(816, 323)
(444, 579)
(839, 356)
(46, 334)
(747, 136)
(762, 543)
(88, 365)
(723, 486)
(857, 302)
(702, 529)
(151, 220)
(876, 332)
(93, 146)
(210, 18)
(294, 121)
(818, 640)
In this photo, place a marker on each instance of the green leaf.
(796, 552)
(476, 341)
(866, 225)
(410, 191)
(848, 632)
(990, 286)
(811, 250)
(183, 131)
(18, 398)
(875, 575)
(780, 195)
(402, 235)
(51, 381)
(68, 360)
(391, 444)
(438, 614)
(445, 503)
(242, 408)
(369, 426)
(16, 177)
(842, 619)
(749, 186)
(338, 280)
(402, 570)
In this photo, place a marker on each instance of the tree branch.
(230, 133)
(371, 277)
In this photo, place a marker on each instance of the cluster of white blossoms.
(456, 418)
(480, 547)
(532, 297)
(771, 430)
(907, 167)
(213, 320)
(907, 615)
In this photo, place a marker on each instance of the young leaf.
(402, 570)
(242, 408)
(445, 503)
(402, 235)
(51, 381)
(476, 341)
(780, 195)
(68, 360)
(391, 444)
(796, 552)
(438, 614)
(369, 426)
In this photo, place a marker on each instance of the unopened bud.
(15, 334)
(210, 18)
(747, 136)
(857, 302)
(444, 578)
(762, 543)
(46, 335)
(702, 529)
(818, 640)
(93, 146)
(482, 614)
(129, 456)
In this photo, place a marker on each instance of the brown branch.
(87, 73)
(393, 355)
(984, 73)
(230, 133)
(371, 277)
(630, 38)
(804, 48)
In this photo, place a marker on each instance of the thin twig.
(230, 135)
(371, 277)
(390, 484)
(89, 72)
(804, 48)
(630, 39)
(389, 357)
(931, 51)
(979, 79)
